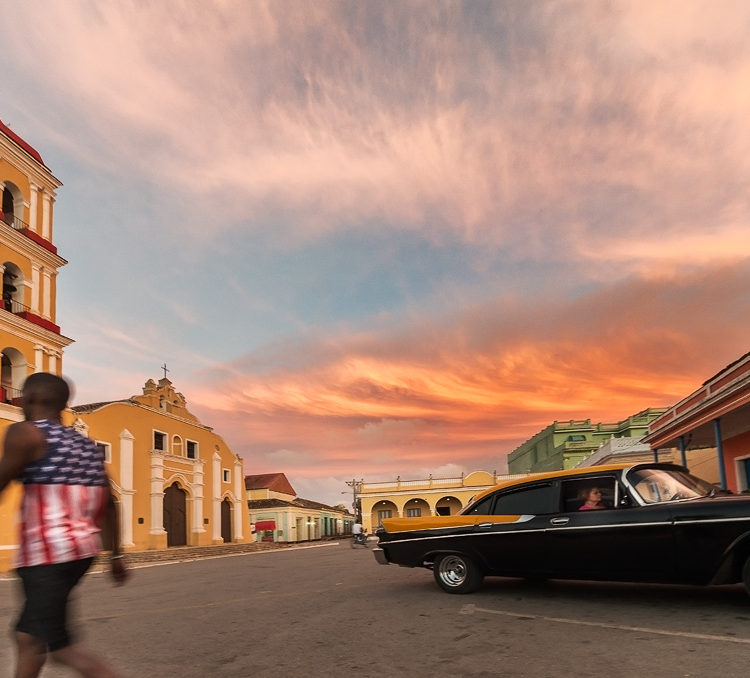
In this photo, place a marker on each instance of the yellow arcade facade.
(176, 481)
(30, 338)
(422, 497)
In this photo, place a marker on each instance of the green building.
(563, 444)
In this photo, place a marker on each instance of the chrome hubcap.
(452, 570)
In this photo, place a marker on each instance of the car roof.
(551, 475)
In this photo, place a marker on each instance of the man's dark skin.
(24, 444)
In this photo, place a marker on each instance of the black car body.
(658, 523)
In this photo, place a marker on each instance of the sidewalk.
(181, 554)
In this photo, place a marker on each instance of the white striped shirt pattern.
(65, 496)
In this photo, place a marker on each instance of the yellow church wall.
(19, 179)
(141, 474)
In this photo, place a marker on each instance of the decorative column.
(35, 284)
(156, 530)
(240, 511)
(53, 355)
(33, 207)
(127, 490)
(216, 499)
(46, 293)
(46, 214)
(38, 358)
(198, 485)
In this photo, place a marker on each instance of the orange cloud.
(469, 388)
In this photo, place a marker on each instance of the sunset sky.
(373, 239)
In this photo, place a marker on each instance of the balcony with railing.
(22, 227)
(22, 311)
(10, 395)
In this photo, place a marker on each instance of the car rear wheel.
(457, 574)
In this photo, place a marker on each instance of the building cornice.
(27, 247)
(29, 165)
(29, 331)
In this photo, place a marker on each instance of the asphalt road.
(330, 610)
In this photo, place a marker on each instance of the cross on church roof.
(164, 367)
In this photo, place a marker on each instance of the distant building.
(277, 514)
(564, 444)
(421, 497)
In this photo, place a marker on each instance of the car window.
(663, 485)
(593, 492)
(534, 500)
(481, 508)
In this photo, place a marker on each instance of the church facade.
(176, 480)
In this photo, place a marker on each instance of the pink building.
(717, 415)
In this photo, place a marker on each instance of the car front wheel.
(457, 574)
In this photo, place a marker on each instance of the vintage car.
(648, 523)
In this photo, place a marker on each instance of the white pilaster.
(46, 214)
(46, 293)
(35, 284)
(126, 482)
(38, 358)
(240, 511)
(216, 496)
(53, 356)
(157, 495)
(198, 486)
(33, 207)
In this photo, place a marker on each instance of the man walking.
(66, 499)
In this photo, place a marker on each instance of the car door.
(622, 541)
(511, 535)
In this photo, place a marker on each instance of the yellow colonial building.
(176, 480)
(423, 497)
(30, 338)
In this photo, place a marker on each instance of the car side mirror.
(624, 502)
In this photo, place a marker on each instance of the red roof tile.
(276, 482)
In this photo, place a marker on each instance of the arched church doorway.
(175, 515)
(226, 521)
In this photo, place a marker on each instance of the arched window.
(12, 288)
(12, 373)
(177, 446)
(12, 205)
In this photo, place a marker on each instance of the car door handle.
(485, 526)
(559, 521)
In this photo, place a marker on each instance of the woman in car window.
(592, 499)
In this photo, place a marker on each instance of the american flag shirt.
(65, 497)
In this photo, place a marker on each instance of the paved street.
(298, 612)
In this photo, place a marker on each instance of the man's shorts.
(47, 588)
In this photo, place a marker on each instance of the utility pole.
(355, 485)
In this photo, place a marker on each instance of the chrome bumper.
(380, 555)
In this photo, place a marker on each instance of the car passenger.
(592, 499)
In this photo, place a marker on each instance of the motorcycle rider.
(358, 533)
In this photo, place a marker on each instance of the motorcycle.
(360, 539)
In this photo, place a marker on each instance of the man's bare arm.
(23, 444)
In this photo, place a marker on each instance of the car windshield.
(656, 486)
